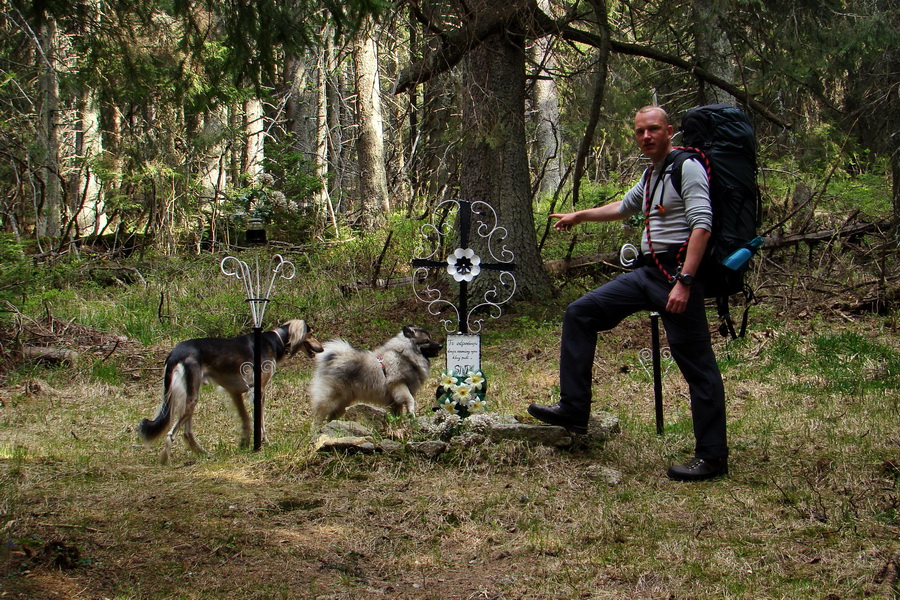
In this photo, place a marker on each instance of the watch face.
(686, 279)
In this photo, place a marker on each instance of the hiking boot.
(699, 469)
(574, 421)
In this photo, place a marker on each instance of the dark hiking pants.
(646, 289)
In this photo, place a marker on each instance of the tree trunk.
(213, 173)
(494, 165)
(323, 199)
(373, 192)
(335, 113)
(895, 172)
(86, 193)
(548, 153)
(48, 219)
(254, 137)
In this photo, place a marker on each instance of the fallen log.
(773, 241)
(50, 355)
(562, 265)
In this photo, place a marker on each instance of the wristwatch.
(685, 278)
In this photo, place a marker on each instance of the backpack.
(722, 138)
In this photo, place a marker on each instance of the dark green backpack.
(722, 138)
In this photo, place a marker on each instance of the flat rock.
(342, 428)
(429, 448)
(346, 445)
(368, 415)
(546, 435)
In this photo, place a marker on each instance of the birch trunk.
(548, 131)
(373, 192)
(48, 203)
(254, 135)
(323, 199)
(213, 173)
(87, 195)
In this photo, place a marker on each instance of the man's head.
(653, 133)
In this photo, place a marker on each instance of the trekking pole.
(657, 371)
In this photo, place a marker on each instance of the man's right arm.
(605, 213)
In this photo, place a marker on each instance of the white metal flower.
(449, 405)
(463, 264)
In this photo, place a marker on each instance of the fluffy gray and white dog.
(388, 377)
(219, 360)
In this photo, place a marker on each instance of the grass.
(811, 509)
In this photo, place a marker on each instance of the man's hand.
(678, 298)
(566, 221)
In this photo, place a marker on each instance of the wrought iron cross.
(464, 265)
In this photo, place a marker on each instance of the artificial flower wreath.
(462, 394)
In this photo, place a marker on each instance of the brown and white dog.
(388, 376)
(219, 360)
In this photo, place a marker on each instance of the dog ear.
(297, 332)
(409, 331)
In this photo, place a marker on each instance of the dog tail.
(174, 398)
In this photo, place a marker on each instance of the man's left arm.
(698, 210)
(681, 293)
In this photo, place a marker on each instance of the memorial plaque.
(463, 353)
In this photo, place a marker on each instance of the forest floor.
(811, 508)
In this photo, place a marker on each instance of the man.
(676, 232)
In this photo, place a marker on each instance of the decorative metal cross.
(464, 265)
(258, 300)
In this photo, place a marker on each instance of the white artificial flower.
(447, 381)
(463, 394)
(476, 380)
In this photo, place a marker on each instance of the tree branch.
(457, 43)
(597, 99)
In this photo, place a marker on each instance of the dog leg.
(166, 453)
(403, 401)
(323, 413)
(193, 379)
(189, 431)
(262, 418)
(237, 398)
(266, 376)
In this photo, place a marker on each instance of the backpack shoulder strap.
(676, 159)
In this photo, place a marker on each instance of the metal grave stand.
(628, 256)
(258, 299)
(656, 355)
(463, 327)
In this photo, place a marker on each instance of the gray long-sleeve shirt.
(670, 229)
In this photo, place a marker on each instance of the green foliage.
(844, 362)
(107, 373)
(15, 268)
